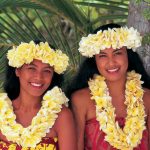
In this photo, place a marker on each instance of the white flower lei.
(131, 135)
(44, 120)
(115, 38)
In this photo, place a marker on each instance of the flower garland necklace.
(44, 120)
(131, 135)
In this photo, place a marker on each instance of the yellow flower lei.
(130, 136)
(115, 38)
(44, 120)
(26, 52)
(40, 146)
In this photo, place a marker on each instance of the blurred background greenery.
(60, 22)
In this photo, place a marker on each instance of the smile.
(36, 84)
(113, 70)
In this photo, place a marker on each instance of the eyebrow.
(31, 63)
(101, 52)
(49, 67)
(116, 50)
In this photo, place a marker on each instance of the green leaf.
(26, 20)
(103, 5)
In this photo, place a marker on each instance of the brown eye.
(47, 71)
(118, 53)
(31, 68)
(102, 55)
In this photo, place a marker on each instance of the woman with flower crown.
(110, 102)
(33, 111)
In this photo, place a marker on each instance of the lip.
(113, 70)
(36, 85)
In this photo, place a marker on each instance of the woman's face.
(35, 77)
(112, 63)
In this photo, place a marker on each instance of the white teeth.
(113, 70)
(36, 84)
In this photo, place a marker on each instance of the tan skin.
(35, 78)
(112, 64)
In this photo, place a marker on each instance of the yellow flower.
(25, 53)
(130, 136)
(41, 123)
(109, 129)
(115, 38)
(101, 102)
(102, 118)
(12, 147)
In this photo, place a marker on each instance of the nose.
(38, 75)
(111, 61)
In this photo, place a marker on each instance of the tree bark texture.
(137, 20)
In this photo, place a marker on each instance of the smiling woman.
(33, 111)
(35, 77)
(110, 102)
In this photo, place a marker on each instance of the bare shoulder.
(80, 97)
(65, 115)
(65, 128)
(146, 98)
(64, 119)
(146, 95)
(82, 106)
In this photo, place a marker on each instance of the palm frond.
(46, 20)
(103, 5)
(63, 8)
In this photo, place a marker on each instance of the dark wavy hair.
(12, 83)
(88, 68)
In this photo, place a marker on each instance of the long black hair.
(12, 83)
(135, 63)
(88, 68)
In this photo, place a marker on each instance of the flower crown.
(115, 38)
(26, 52)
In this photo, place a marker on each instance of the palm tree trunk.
(137, 20)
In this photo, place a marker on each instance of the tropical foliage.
(60, 22)
(146, 14)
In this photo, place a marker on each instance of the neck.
(117, 88)
(27, 102)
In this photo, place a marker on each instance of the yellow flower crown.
(26, 52)
(115, 38)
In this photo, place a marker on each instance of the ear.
(17, 72)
